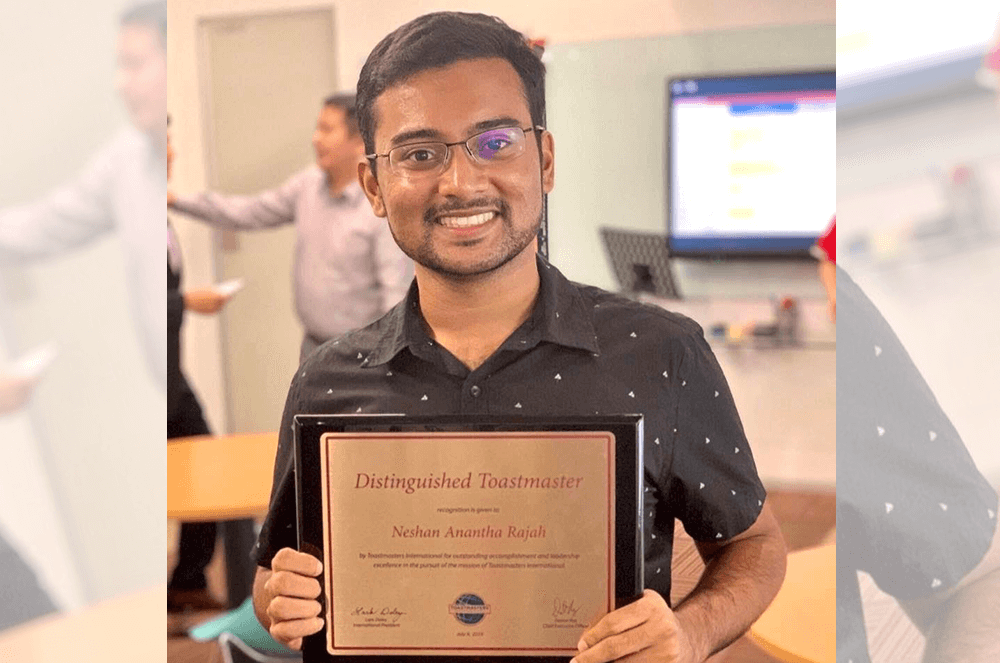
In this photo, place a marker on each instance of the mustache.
(499, 204)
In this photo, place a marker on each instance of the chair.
(235, 650)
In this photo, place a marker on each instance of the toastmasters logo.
(469, 609)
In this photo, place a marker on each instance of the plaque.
(459, 537)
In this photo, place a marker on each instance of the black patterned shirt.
(912, 508)
(582, 351)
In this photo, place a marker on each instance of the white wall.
(359, 25)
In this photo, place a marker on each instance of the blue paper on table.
(241, 622)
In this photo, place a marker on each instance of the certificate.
(467, 539)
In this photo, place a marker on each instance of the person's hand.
(15, 390)
(205, 301)
(646, 630)
(832, 309)
(292, 591)
(170, 198)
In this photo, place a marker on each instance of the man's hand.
(205, 301)
(647, 630)
(289, 597)
(15, 390)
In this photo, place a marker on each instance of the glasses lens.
(497, 144)
(423, 156)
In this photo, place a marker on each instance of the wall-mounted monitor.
(751, 163)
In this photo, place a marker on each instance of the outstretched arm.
(271, 208)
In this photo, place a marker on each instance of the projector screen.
(751, 163)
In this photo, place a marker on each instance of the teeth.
(466, 221)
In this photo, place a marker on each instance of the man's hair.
(152, 14)
(440, 39)
(346, 103)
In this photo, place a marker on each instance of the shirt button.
(475, 391)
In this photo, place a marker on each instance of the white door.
(264, 79)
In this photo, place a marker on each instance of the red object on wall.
(828, 242)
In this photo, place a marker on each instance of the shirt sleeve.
(279, 529)
(394, 268)
(912, 508)
(714, 489)
(69, 216)
(268, 209)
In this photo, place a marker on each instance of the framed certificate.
(459, 537)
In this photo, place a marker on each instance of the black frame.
(628, 432)
(726, 254)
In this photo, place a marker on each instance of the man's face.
(335, 147)
(471, 218)
(141, 78)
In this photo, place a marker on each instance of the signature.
(564, 609)
(387, 614)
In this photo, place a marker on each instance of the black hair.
(440, 39)
(152, 14)
(346, 103)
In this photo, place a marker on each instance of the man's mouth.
(466, 221)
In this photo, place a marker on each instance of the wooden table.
(220, 477)
(800, 626)
(127, 628)
(225, 478)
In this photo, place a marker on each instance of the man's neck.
(472, 318)
(337, 181)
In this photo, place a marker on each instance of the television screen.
(751, 163)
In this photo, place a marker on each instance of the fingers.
(290, 633)
(620, 620)
(302, 563)
(293, 609)
(626, 631)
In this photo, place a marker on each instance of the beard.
(514, 241)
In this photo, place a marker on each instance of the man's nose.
(462, 174)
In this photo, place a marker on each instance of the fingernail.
(582, 645)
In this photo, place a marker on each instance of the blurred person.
(348, 271)
(122, 188)
(913, 510)
(450, 106)
(21, 596)
(188, 587)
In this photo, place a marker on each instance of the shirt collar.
(351, 195)
(561, 316)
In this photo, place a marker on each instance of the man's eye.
(496, 144)
(419, 155)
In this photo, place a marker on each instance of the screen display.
(751, 163)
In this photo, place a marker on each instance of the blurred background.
(82, 477)
(918, 176)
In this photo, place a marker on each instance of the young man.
(450, 107)
(348, 271)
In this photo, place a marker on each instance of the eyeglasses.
(491, 147)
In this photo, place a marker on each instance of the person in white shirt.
(348, 271)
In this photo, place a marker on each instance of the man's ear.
(369, 183)
(548, 156)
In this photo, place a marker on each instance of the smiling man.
(450, 107)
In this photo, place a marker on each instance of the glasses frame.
(447, 154)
